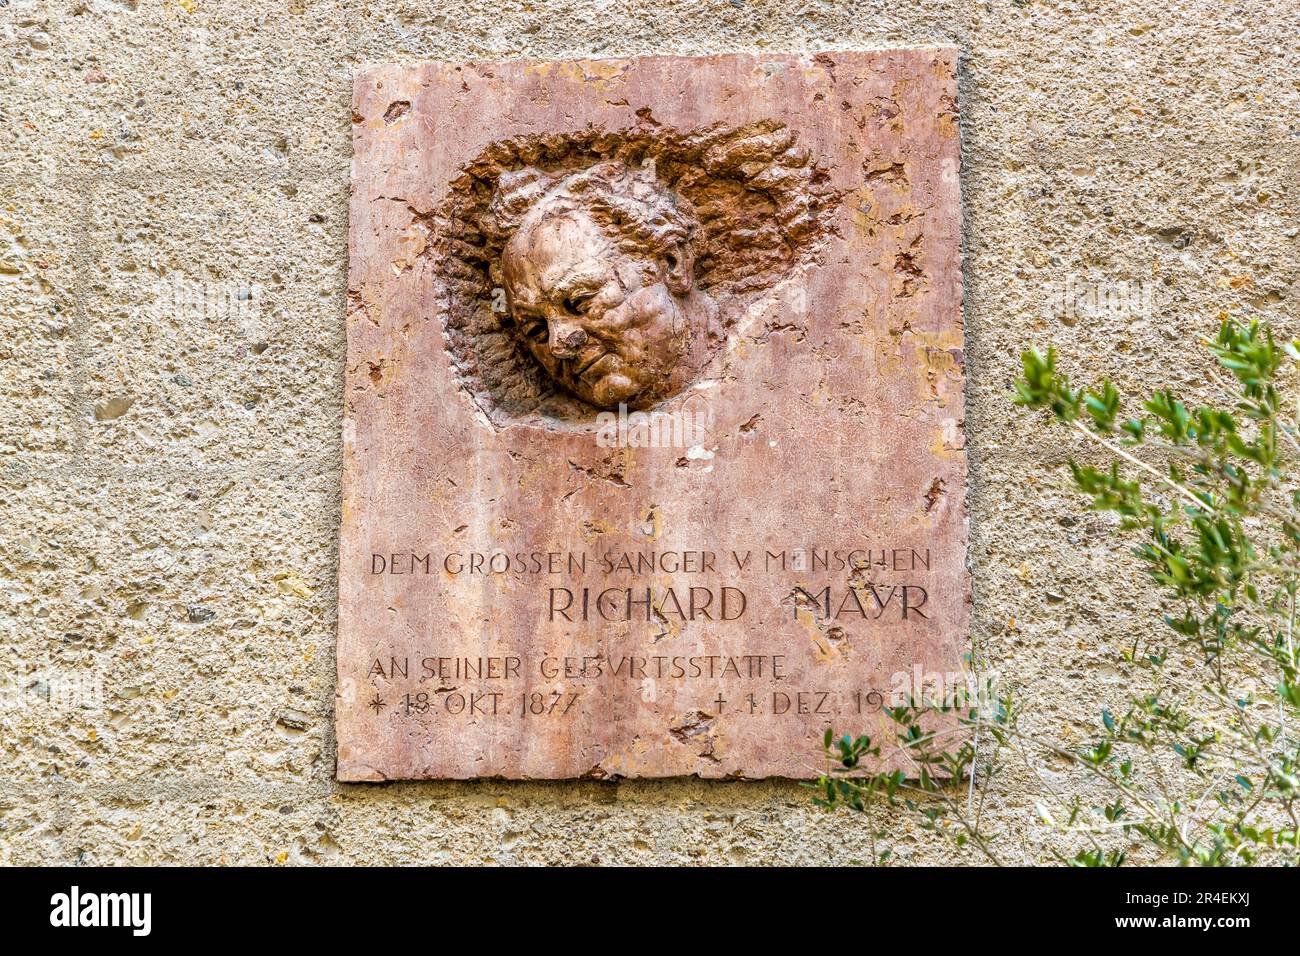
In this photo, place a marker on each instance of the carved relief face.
(608, 326)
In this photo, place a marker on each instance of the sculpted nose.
(566, 339)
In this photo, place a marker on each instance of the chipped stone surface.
(653, 442)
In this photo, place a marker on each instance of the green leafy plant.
(1201, 765)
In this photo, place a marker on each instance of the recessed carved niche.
(584, 271)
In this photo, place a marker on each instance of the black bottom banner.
(386, 906)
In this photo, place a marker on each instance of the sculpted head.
(599, 282)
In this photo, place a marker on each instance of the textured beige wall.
(169, 472)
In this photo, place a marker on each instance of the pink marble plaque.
(653, 442)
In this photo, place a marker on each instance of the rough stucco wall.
(179, 551)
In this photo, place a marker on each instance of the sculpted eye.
(579, 303)
(535, 329)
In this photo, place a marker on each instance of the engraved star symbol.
(378, 704)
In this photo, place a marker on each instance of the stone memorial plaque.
(653, 449)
